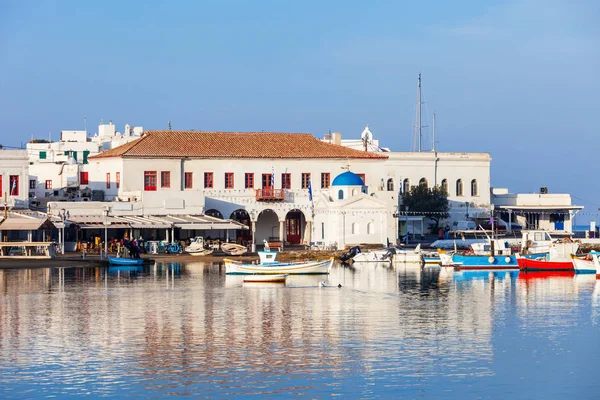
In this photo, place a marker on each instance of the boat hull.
(583, 266)
(265, 278)
(373, 256)
(299, 268)
(527, 264)
(125, 261)
(474, 262)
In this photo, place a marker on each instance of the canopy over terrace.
(30, 221)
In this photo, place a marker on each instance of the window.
(48, 184)
(305, 179)
(149, 181)
(228, 180)
(370, 229)
(165, 179)
(354, 230)
(14, 185)
(42, 155)
(32, 184)
(340, 194)
(406, 186)
(118, 180)
(390, 185)
(83, 178)
(423, 182)
(474, 189)
(266, 180)
(108, 180)
(363, 177)
(249, 180)
(189, 180)
(208, 180)
(459, 187)
(445, 185)
(325, 179)
(286, 181)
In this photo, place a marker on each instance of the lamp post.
(492, 219)
(63, 218)
(106, 223)
(406, 236)
(252, 214)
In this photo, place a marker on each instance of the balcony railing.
(270, 194)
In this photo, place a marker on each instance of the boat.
(197, 248)
(587, 264)
(557, 259)
(407, 256)
(281, 278)
(388, 254)
(233, 249)
(125, 261)
(269, 265)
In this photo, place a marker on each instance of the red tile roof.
(195, 144)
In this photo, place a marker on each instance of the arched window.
(340, 194)
(390, 185)
(459, 187)
(370, 228)
(445, 185)
(474, 188)
(406, 186)
(354, 230)
(423, 182)
(353, 192)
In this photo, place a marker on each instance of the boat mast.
(433, 134)
(418, 118)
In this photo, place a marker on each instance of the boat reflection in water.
(179, 329)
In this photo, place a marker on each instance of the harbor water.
(188, 330)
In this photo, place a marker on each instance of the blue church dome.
(347, 179)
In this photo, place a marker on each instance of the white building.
(260, 178)
(14, 172)
(552, 212)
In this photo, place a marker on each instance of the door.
(559, 222)
(293, 225)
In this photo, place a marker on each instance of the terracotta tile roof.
(196, 144)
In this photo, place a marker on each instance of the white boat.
(233, 249)
(281, 278)
(407, 256)
(196, 247)
(383, 255)
(445, 257)
(586, 265)
(269, 265)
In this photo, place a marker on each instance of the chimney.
(336, 138)
(327, 137)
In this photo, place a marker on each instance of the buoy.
(491, 260)
(339, 285)
(507, 259)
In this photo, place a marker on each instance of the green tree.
(430, 202)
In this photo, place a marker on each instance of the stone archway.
(267, 226)
(242, 236)
(295, 223)
(214, 213)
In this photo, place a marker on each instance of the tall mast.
(433, 134)
(418, 134)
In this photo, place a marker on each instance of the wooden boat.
(233, 249)
(197, 248)
(588, 264)
(529, 264)
(266, 278)
(125, 261)
(270, 266)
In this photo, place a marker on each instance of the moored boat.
(197, 248)
(269, 265)
(266, 278)
(233, 249)
(588, 264)
(472, 261)
(125, 261)
(530, 264)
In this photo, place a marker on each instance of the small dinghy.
(125, 261)
(266, 278)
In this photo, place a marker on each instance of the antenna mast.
(418, 133)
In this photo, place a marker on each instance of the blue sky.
(517, 79)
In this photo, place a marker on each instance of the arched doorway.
(267, 226)
(242, 236)
(214, 213)
(294, 226)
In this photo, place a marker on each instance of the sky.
(517, 79)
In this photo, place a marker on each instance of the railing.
(270, 194)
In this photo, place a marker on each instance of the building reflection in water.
(176, 325)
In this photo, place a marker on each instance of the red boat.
(527, 264)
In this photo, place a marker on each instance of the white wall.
(15, 162)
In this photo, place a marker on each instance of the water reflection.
(184, 329)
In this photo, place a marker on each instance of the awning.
(540, 207)
(204, 222)
(20, 223)
(145, 222)
(96, 222)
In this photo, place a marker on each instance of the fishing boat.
(281, 278)
(197, 248)
(557, 259)
(588, 264)
(269, 265)
(407, 256)
(125, 261)
(233, 249)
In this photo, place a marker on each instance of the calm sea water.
(188, 330)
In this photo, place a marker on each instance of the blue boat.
(472, 261)
(125, 261)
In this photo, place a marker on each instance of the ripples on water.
(190, 330)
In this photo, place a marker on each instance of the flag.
(273, 177)
(309, 190)
(13, 188)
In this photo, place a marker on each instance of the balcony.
(270, 194)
